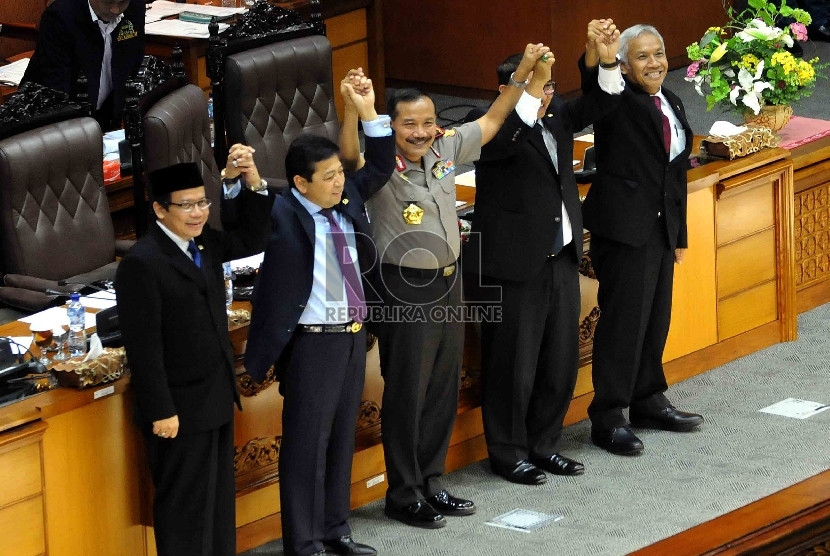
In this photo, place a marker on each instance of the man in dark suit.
(636, 213)
(100, 39)
(309, 309)
(171, 307)
(528, 230)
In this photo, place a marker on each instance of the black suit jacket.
(70, 44)
(518, 205)
(286, 276)
(635, 179)
(173, 320)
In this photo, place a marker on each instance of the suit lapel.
(177, 258)
(538, 143)
(305, 218)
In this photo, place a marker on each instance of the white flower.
(752, 87)
(698, 81)
(757, 29)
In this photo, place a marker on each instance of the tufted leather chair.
(177, 129)
(55, 222)
(276, 92)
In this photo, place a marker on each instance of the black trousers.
(322, 387)
(420, 359)
(529, 361)
(194, 510)
(635, 293)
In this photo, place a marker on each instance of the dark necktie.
(666, 124)
(194, 252)
(559, 239)
(354, 289)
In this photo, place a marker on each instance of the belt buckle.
(314, 328)
(448, 270)
(354, 328)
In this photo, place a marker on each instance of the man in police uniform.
(415, 228)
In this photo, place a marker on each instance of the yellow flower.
(785, 60)
(806, 73)
(749, 62)
(718, 53)
(716, 30)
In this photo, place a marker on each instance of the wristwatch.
(612, 65)
(519, 84)
(227, 181)
(263, 185)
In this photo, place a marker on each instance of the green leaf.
(757, 4)
(707, 38)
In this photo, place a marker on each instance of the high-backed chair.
(274, 86)
(177, 129)
(55, 222)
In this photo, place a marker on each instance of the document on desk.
(56, 317)
(12, 74)
(176, 28)
(796, 408)
(163, 8)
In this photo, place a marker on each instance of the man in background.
(102, 40)
(636, 213)
(527, 231)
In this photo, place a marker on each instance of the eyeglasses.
(549, 87)
(188, 206)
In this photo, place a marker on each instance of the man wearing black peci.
(171, 307)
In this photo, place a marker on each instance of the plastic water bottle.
(77, 324)
(210, 117)
(228, 272)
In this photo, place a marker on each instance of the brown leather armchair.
(177, 129)
(275, 93)
(55, 224)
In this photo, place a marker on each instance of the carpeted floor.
(681, 480)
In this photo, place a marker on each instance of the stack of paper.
(163, 8)
(176, 28)
(12, 74)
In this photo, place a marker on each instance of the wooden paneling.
(747, 310)
(745, 210)
(746, 263)
(347, 28)
(694, 307)
(257, 504)
(584, 382)
(21, 528)
(91, 476)
(459, 43)
(21, 474)
(812, 235)
(342, 60)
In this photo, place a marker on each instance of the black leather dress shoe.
(345, 546)
(448, 504)
(618, 440)
(557, 464)
(668, 419)
(522, 472)
(418, 514)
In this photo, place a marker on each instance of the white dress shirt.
(678, 136)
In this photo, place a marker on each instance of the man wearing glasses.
(171, 307)
(527, 233)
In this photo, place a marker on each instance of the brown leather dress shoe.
(557, 464)
(448, 504)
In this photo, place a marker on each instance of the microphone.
(85, 288)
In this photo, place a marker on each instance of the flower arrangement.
(745, 65)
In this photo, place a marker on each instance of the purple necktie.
(666, 124)
(354, 289)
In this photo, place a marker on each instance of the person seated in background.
(309, 310)
(100, 39)
(526, 189)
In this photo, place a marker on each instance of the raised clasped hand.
(603, 36)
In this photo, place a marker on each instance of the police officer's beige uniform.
(415, 227)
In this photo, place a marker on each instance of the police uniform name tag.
(443, 168)
(413, 214)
